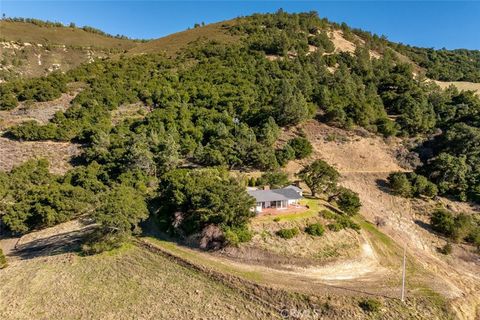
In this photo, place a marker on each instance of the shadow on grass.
(53, 245)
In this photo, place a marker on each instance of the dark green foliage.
(274, 180)
(37, 199)
(3, 260)
(8, 100)
(456, 227)
(315, 229)
(120, 211)
(411, 184)
(284, 155)
(370, 305)
(236, 235)
(319, 176)
(301, 147)
(321, 40)
(349, 202)
(287, 233)
(203, 197)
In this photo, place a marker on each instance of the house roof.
(275, 194)
(294, 188)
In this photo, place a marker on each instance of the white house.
(276, 198)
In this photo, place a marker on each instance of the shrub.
(443, 221)
(400, 184)
(349, 202)
(327, 214)
(370, 305)
(284, 155)
(335, 227)
(301, 146)
(287, 233)
(3, 260)
(236, 235)
(100, 242)
(315, 229)
(446, 249)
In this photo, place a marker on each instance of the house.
(276, 198)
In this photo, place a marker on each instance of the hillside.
(174, 43)
(167, 136)
(30, 50)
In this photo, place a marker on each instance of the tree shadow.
(425, 226)
(54, 245)
(383, 186)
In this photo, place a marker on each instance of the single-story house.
(276, 198)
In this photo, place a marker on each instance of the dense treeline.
(223, 106)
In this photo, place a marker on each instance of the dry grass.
(173, 43)
(461, 85)
(33, 34)
(130, 283)
(13, 153)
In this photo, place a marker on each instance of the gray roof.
(275, 194)
(294, 188)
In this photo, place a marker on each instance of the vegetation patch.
(287, 233)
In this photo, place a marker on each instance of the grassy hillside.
(34, 34)
(30, 50)
(171, 44)
(131, 282)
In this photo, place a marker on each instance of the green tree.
(274, 179)
(349, 202)
(319, 176)
(290, 106)
(400, 184)
(120, 211)
(301, 146)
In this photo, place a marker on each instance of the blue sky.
(449, 24)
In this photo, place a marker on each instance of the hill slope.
(30, 50)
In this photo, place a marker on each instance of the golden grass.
(171, 44)
(129, 283)
(33, 34)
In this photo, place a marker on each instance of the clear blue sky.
(454, 24)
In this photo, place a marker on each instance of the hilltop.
(37, 48)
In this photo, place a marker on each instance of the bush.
(400, 184)
(301, 146)
(287, 233)
(370, 305)
(275, 179)
(335, 227)
(327, 214)
(3, 260)
(315, 229)
(446, 249)
(236, 235)
(349, 202)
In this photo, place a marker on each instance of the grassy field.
(129, 283)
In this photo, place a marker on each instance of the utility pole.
(403, 272)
